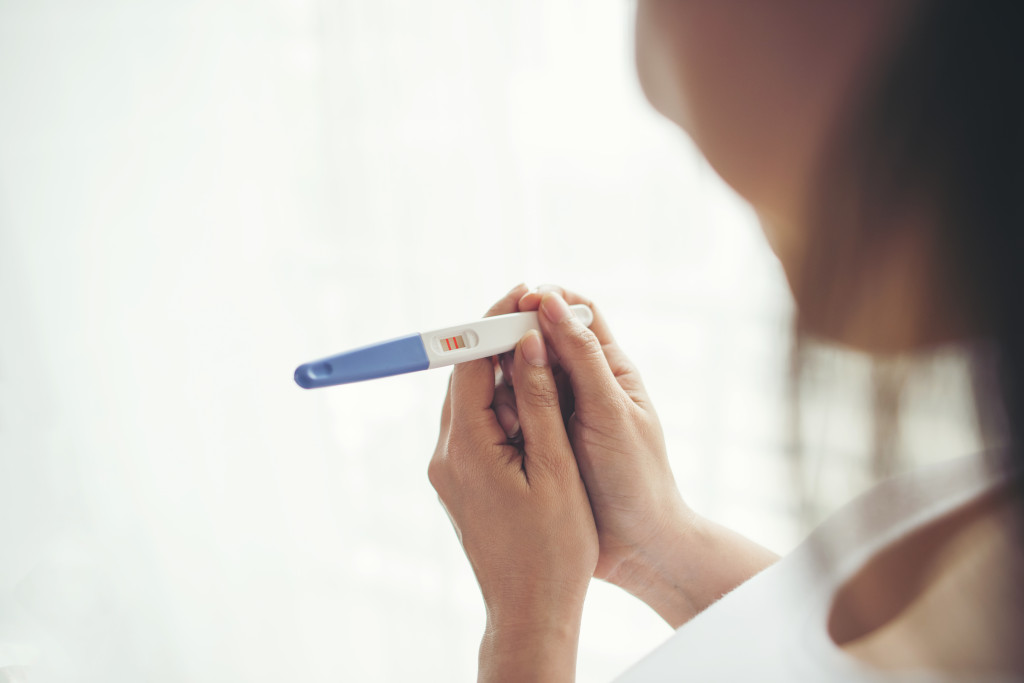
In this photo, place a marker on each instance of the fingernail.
(555, 308)
(508, 420)
(534, 351)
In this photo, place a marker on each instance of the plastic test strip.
(414, 352)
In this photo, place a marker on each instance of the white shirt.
(774, 627)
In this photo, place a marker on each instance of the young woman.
(882, 145)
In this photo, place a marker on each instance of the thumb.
(579, 351)
(544, 438)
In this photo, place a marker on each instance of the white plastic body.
(487, 336)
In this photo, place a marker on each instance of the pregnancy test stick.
(448, 346)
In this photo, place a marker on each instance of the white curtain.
(196, 196)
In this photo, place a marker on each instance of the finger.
(565, 398)
(581, 354)
(617, 359)
(545, 441)
(530, 301)
(471, 387)
(509, 302)
(505, 409)
(472, 393)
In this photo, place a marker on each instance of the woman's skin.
(520, 511)
(554, 473)
(533, 534)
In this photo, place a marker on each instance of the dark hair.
(940, 120)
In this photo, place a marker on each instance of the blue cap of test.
(393, 357)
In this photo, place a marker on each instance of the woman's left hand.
(520, 510)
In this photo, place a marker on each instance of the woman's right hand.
(614, 430)
(651, 543)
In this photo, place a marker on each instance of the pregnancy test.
(435, 349)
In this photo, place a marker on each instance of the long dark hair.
(940, 120)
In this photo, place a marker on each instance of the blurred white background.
(197, 196)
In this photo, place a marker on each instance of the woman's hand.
(614, 431)
(651, 543)
(520, 510)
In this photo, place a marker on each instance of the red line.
(456, 342)
(449, 343)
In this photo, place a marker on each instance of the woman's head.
(881, 143)
(760, 87)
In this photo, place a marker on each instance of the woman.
(881, 144)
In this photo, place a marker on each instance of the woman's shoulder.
(944, 597)
(782, 623)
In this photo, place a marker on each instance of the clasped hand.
(551, 474)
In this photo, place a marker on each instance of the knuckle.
(462, 434)
(582, 341)
(436, 473)
(538, 392)
(462, 446)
